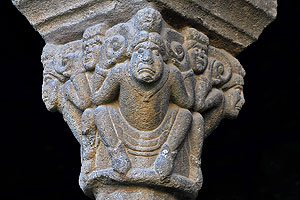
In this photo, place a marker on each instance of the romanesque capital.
(142, 84)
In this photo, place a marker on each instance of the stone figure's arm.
(77, 90)
(97, 80)
(213, 117)
(71, 114)
(182, 87)
(213, 99)
(202, 89)
(109, 90)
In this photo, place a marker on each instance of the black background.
(256, 156)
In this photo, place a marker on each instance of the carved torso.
(144, 108)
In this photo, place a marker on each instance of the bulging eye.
(220, 69)
(140, 50)
(179, 49)
(47, 78)
(94, 45)
(239, 90)
(65, 61)
(115, 46)
(156, 52)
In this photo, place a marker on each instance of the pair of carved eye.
(92, 44)
(142, 50)
(200, 50)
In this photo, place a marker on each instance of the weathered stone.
(141, 91)
(230, 24)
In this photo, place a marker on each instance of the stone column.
(141, 84)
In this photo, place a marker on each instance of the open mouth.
(145, 68)
(88, 58)
(199, 61)
(238, 108)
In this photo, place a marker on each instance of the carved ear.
(173, 42)
(220, 64)
(68, 51)
(113, 50)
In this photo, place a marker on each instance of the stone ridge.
(231, 24)
(269, 6)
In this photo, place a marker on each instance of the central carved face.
(146, 63)
(234, 100)
(199, 58)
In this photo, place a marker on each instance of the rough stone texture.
(141, 90)
(230, 24)
(136, 96)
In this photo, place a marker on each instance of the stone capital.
(142, 84)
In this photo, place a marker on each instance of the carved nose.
(242, 101)
(147, 57)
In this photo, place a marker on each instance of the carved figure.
(148, 19)
(228, 105)
(52, 81)
(233, 90)
(92, 41)
(140, 85)
(140, 97)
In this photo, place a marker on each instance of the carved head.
(51, 79)
(92, 40)
(197, 45)
(48, 54)
(113, 49)
(233, 91)
(68, 59)
(177, 53)
(148, 19)
(147, 57)
(50, 92)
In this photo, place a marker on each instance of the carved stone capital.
(141, 84)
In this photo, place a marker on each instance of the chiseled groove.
(226, 23)
(267, 12)
(47, 20)
(251, 5)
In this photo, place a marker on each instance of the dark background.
(256, 156)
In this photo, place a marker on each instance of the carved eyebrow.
(238, 87)
(199, 45)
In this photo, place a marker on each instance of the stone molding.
(230, 24)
